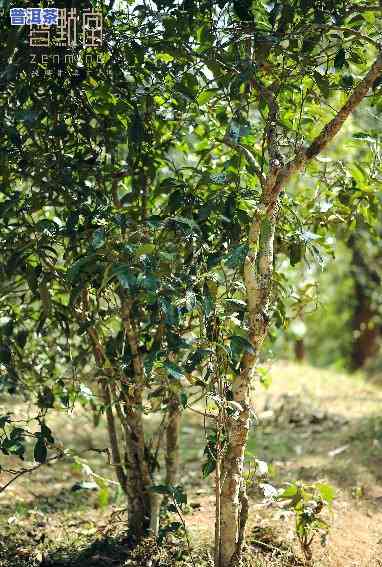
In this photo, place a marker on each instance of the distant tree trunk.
(365, 330)
(299, 350)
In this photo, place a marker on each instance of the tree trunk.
(365, 330)
(137, 469)
(113, 438)
(233, 489)
(133, 474)
(138, 477)
(299, 350)
(172, 441)
(258, 270)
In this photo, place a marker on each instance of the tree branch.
(366, 8)
(116, 454)
(247, 154)
(327, 133)
(357, 33)
(133, 342)
(21, 472)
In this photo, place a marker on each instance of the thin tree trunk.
(218, 471)
(172, 440)
(366, 332)
(299, 350)
(114, 444)
(258, 269)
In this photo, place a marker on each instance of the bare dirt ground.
(314, 425)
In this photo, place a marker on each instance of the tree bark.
(172, 440)
(365, 330)
(137, 469)
(137, 473)
(113, 438)
(133, 474)
(299, 350)
(258, 272)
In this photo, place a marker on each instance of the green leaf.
(235, 305)
(347, 81)
(13, 447)
(98, 238)
(241, 344)
(236, 256)
(173, 370)
(322, 83)
(145, 249)
(168, 310)
(148, 281)
(191, 224)
(326, 491)
(340, 58)
(125, 276)
(4, 419)
(5, 354)
(47, 226)
(40, 451)
(46, 398)
(161, 488)
(196, 358)
(165, 57)
(46, 433)
(180, 495)
(184, 399)
(21, 338)
(208, 468)
(204, 34)
(296, 253)
(206, 96)
(289, 492)
(80, 265)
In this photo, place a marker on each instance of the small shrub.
(307, 502)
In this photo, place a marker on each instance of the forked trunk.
(258, 269)
(133, 472)
(137, 469)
